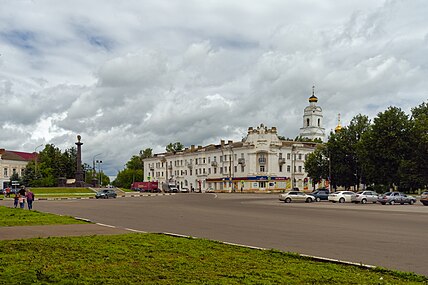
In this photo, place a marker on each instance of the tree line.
(52, 164)
(390, 152)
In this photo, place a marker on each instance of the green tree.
(174, 147)
(386, 146)
(415, 169)
(317, 165)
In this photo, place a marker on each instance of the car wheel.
(411, 202)
(308, 200)
(342, 200)
(287, 200)
(317, 199)
(392, 202)
(383, 203)
(364, 201)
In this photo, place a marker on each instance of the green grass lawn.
(160, 259)
(57, 190)
(24, 217)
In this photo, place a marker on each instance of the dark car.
(424, 198)
(320, 194)
(392, 198)
(105, 194)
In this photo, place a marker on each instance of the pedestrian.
(30, 199)
(21, 200)
(8, 192)
(22, 191)
(15, 200)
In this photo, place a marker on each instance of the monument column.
(79, 172)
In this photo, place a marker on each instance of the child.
(15, 200)
(21, 200)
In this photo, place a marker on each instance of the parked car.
(424, 198)
(341, 196)
(296, 196)
(105, 194)
(184, 190)
(320, 194)
(396, 198)
(364, 197)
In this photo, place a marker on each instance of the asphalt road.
(394, 237)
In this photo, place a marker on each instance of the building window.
(288, 168)
(203, 160)
(300, 156)
(209, 170)
(209, 159)
(288, 156)
(5, 172)
(215, 158)
(221, 158)
(196, 161)
(262, 168)
(300, 169)
(221, 170)
(242, 168)
(280, 155)
(280, 168)
(319, 122)
(236, 169)
(190, 171)
(307, 122)
(215, 170)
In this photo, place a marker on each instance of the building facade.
(260, 162)
(13, 162)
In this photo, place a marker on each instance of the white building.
(313, 120)
(12, 162)
(260, 162)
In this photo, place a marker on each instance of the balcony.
(262, 161)
(241, 161)
(214, 163)
(189, 165)
(170, 166)
(281, 161)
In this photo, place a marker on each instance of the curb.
(312, 257)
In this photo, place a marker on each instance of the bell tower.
(313, 120)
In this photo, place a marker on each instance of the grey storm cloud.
(146, 73)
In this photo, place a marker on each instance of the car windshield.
(388, 193)
(360, 192)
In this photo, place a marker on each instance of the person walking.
(21, 200)
(30, 199)
(15, 200)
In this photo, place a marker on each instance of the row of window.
(14, 171)
(224, 170)
(223, 158)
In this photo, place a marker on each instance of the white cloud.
(143, 74)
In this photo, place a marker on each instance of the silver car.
(296, 196)
(364, 197)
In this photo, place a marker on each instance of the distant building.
(261, 162)
(313, 120)
(13, 162)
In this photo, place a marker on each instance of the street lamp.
(99, 171)
(35, 159)
(93, 164)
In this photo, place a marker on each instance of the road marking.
(104, 225)
(137, 231)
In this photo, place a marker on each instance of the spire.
(339, 125)
(313, 98)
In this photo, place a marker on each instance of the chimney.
(192, 147)
(222, 142)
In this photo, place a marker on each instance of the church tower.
(313, 120)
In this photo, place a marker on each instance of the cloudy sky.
(128, 75)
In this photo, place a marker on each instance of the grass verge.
(159, 259)
(23, 217)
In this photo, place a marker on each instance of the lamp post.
(93, 164)
(99, 171)
(35, 159)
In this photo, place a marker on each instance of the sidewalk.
(22, 232)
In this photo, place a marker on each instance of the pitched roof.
(17, 155)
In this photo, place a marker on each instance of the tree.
(385, 146)
(147, 153)
(417, 166)
(174, 147)
(317, 165)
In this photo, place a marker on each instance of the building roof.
(17, 155)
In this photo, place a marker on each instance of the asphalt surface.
(389, 236)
